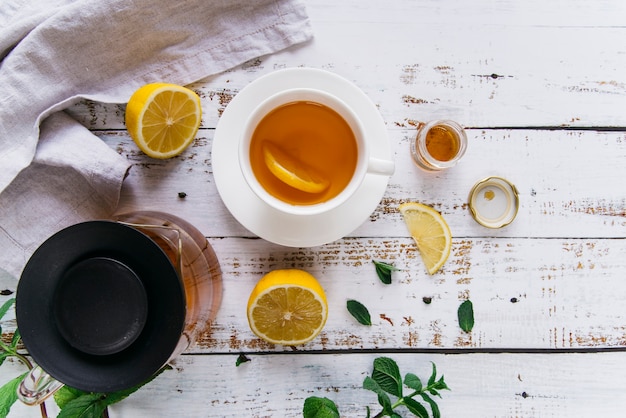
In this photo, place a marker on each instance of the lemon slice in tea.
(291, 171)
(430, 232)
(287, 307)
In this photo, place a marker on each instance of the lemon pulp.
(430, 232)
(287, 307)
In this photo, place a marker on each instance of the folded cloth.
(54, 172)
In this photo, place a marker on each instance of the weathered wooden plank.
(482, 385)
(527, 293)
(565, 178)
(481, 63)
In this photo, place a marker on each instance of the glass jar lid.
(494, 202)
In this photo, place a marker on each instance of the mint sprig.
(386, 380)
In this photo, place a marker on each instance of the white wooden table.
(541, 87)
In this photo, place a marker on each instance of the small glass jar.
(439, 145)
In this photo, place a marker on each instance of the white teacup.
(365, 163)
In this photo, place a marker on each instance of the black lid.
(100, 306)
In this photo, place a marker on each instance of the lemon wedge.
(163, 119)
(430, 232)
(292, 172)
(287, 307)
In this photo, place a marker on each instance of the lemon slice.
(430, 232)
(163, 119)
(291, 171)
(287, 307)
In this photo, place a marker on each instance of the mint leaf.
(466, 316)
(387, 374)
(415, 407)
(359, 312)
(441, 384)
(315, 407)
(413, 382)
(90, 405)
(16, 339)
(383, 398)
(6, 306)
(66, 394)
(385, 402)
(371, 384)
(433, 375)
(241, 359)
(8, 395)
(433, 405)
(384, 270)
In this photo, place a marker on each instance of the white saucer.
(260, 218)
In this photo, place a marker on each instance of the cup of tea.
(439, 145)
(103, 305)
(304, 151)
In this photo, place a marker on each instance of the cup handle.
(381, 167)
(37, 386)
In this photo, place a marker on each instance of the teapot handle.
(37, 386)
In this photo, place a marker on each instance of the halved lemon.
(287, 307)
(163, 119)
(430, 232)
(291, 171)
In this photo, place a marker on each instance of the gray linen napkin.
(53, 171)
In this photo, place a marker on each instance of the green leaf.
(66, 394)
(359, 312)
(90, 405)
(466, 316)
(383, 398)
(387, 374)
(385, 402)
(433, 375)
(413, 382)
(16, 339)
(8, 394)
(315, 407)
(415, 407)
(370, 384)
(384, 270)
(6, 306)
(441, 385)
(433, 405)
(241, 359)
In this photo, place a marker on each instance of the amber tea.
(438, 145)
(303, 153)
